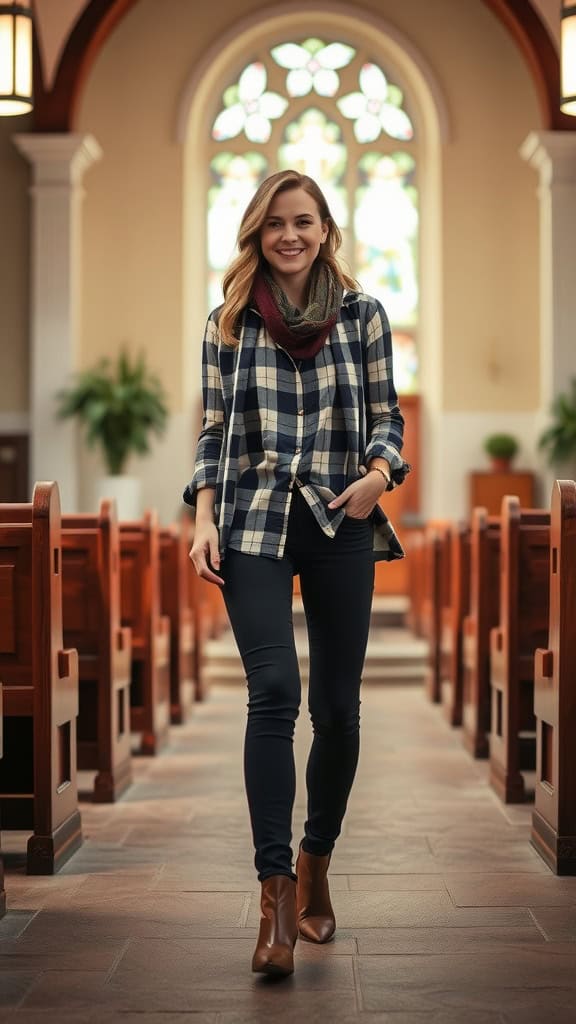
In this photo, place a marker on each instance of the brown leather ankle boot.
(316, 920)
(274, 952)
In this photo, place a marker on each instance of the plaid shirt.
(270, 423)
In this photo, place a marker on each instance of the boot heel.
(316, 920)
(274, 953)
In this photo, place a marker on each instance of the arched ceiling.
(71, 33)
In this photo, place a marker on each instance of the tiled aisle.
(444, 912)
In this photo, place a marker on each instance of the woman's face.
(292, 234)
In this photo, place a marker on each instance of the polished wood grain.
(554, 815)
(91, 611)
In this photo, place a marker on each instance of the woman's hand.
(360, 497)
(205, 547)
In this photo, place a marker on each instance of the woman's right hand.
(205, 548)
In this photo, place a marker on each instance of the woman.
(301, 435)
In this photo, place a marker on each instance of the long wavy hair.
(239, 278)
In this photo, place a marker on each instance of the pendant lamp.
(15, 58)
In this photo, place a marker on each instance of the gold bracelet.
(376, 469)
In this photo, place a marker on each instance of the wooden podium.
(487, 488)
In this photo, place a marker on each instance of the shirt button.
(300, 412)
(298, 450)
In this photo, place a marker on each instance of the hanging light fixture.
(15, 58)
(568, 51)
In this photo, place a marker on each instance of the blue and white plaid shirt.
(271, 423)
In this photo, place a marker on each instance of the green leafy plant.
(559, 439)
(120, 405)
(501, 446)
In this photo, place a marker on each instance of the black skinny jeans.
(337, 582)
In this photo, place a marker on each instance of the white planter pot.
(127, 490)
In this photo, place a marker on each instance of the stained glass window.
(265, 123)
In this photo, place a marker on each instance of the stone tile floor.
(445, 913)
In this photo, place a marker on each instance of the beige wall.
(14, 253)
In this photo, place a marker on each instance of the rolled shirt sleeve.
(209, 446)
(385, 423)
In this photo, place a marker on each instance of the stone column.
(58, 165)
(553, 155)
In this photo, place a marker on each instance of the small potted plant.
(559, 439)
(120, 405)
(501, 448)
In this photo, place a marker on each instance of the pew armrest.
(496, 639)
(68, 663)
(543, 663)
(123, 638)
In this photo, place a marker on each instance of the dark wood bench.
(554, 814)
(91, 612)
(38, 780)
(140, 610)
(436, 569)
(451, 622)
(176, 604)
(483, 615)
(523, 626)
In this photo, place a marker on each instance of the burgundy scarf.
(301, 334)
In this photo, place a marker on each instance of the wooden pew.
(2, 889)
(436, 567)
(176, 604)
(484, 613)
(523, 626)
(38, 781)
(415, 559)
(140, 604)
(91, 611)
(554, 816)
(451, 623)
(202, 627)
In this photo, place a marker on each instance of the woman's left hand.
(361, 496)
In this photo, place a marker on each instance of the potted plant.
(501, 448)
(120, 405)
(559, 439)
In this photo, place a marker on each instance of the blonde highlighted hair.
(239, 278)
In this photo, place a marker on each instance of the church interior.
(133, 134)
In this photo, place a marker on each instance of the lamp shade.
(15, 59)
(568, 56)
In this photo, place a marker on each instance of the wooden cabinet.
(487, 488)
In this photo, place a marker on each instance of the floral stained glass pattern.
(312, 65)
(313, 145)
(376, 108)
(386, 232)
(234, 182)
(249, 107)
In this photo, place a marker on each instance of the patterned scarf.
(301, 334)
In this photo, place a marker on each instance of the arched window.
(328, 110)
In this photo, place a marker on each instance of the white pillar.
(553, 155)
(58, 165)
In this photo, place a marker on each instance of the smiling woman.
(301, 436)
